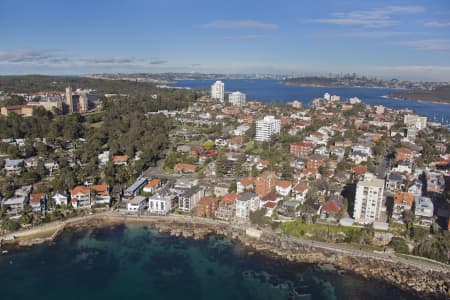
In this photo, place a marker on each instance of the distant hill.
(439, 94)
(345, 81)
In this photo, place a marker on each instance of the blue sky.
(403, 39)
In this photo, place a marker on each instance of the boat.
(4, 252)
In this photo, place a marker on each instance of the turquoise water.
(273, 90)
(135, 262)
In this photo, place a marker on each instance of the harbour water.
(275, 91)
(136, 262)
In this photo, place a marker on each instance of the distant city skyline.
(387, 39)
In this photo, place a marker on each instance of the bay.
(267, 90)
(136, 262)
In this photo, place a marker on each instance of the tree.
(399, 245)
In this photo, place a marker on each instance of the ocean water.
(136, 262)
(275, 91)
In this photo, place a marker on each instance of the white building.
(327, 96)
(158, 204)
(415, 121)
(368, 199)
(267, 127)
(246, 203)
(423, 210)
(137, 203)
(237, 98)
(218, 91)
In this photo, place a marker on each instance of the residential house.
(423, 210)
(103, 158)
(435, 182)
(152, 186)
(246, 184)
(402, 202)
(80, 197)
(102, 195)
(300, 190)
(206, 206)
(137, 203)
(227, 207)
(395, 182)
(415, 187)
(160, 204)
(236, 143)
(221, 189)
(120, 160)
(14, 165)
(60, 198)
(283, 187)
(289, 209)
(38, 202)
(333, 206)
(270, 207)
(181, 168)
(246, 202)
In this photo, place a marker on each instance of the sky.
(388, 39)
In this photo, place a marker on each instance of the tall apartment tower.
(218, 91)
(267, 127)
(68, 100)
(237, 98)
(83, 102)
(368, 199)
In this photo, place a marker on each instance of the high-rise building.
(218, 91)
(83, 102)
(267, 127)
(368, 199)
(237, 98)
(68, 99)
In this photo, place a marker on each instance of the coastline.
(408, 275)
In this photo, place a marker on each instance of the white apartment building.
(368, 199)
(415, 121)
(218, 91)
(246, 202)
(267, 127)
(158, 204)
(237, 98)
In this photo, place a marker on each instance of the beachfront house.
(80, 197)
(60, 198)
(137, 204)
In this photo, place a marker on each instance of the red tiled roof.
(153, 183)
(36, 198)
(230, 198)
(400, 198)
(80, 189)
(101, 189)
(301, 187)
(284, 183)
(187, 167)
(331, 206)
(270, 204)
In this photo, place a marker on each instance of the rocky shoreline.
(427, 284)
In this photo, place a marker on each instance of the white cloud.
(432, 45)
(437, 24)
(372, 18)
(241, 24)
